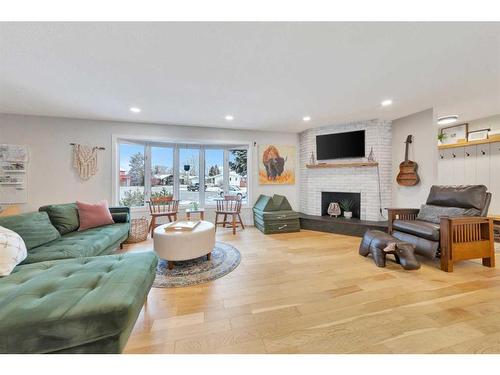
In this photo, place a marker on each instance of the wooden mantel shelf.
(344, 165)
(492, 139)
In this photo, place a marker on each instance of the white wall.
(492, 122)
(53, 180)
(356, 180)
(423, 151)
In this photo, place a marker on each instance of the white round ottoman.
(183, 245)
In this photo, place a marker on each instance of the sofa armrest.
(466, 237)
(400, 213)
(120, 214)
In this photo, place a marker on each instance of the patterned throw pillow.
(12, 251)
(433, 214)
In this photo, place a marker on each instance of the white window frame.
(176, 145)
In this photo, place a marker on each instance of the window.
(214, 176)
(189, 176)
(162, 171)
(238, 173)
(131, 175)
(190, 173)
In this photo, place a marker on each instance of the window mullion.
(147, 172)
(176, 172)
(201, 177)
(225, 176)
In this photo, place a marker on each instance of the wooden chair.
(162, 206)
(230, 205)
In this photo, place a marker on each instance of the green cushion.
(265, 203)
(63, 216)
(88, 243)
(34, 228)
(281, 202)
(74, 305)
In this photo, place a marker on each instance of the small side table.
(200, 211)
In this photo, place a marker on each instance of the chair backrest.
(230, 203)
(463, 196)
(163, 205)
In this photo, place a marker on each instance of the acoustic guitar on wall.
(407, 175)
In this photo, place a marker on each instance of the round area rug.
(225, 258)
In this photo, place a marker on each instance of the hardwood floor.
(310, 292)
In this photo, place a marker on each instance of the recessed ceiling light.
(445, 120)
(306, 118)
(387, 102)
(229, 117)
(135, 109)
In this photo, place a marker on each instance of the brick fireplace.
(362, 181)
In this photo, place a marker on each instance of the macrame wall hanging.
(85, 160)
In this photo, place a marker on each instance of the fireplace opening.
(328, 197)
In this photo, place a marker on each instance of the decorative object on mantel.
(85, 160)
(371, 155)
(478, 135)
(312, 160)
(441, 137)
(333, 209)
(454, 134)
(346, 206)
(407, 175)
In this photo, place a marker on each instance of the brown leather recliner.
(426, 236)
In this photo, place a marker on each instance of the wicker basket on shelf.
(138, 230)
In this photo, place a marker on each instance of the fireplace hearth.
(334, 196)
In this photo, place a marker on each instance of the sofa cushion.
(64, 304)
(419, 228)
(466, 196)
(63, 216)
(88, 243)
(93, 215)
(35, 228)
(433, 214)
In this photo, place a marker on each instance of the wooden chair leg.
(241, 222)
(216, 218)
(234, 223)
(153, 225)
(225, 220)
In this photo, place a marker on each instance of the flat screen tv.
(340, 145)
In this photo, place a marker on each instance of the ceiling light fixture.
(445, 120)
(306, 118)
(229, 117)
(387, 102)
(135, 109)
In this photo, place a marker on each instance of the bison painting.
(278, 168)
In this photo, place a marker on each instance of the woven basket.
(138, 230)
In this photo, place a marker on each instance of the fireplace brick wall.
(357, 180)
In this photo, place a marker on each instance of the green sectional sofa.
(68, 295)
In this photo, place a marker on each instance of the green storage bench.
(81, 305)
(275, 215)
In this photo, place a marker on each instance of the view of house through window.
(214, 175)
(223, 170)
(162, 171)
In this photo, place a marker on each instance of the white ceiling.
(268, 75)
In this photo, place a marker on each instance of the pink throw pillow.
(93, 215)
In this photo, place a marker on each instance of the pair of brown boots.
(380, 244)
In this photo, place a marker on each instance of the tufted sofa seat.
(88, 243)
(81, 305)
